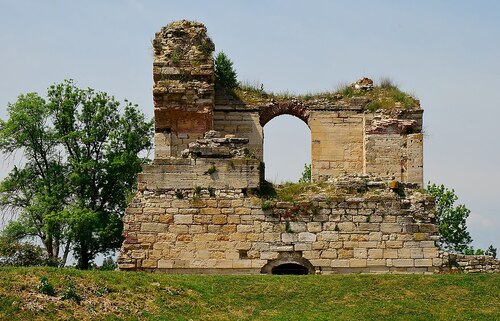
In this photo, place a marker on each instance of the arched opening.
(288, 263)
(290, 268)
(287, 148)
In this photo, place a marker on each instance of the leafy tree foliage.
(451, 219)
(15, 253)
(224, 71)
(80, 165)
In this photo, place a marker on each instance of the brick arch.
(295, 109)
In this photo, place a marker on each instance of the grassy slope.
(140, 296)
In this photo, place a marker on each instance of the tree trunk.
(84, 257)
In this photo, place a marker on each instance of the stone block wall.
(453, 262)
(378, 231)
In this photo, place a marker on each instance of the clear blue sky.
(445, 52)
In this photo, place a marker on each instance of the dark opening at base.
(290, 268)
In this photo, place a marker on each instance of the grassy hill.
(102, 295)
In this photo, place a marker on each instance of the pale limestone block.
(340, 263)
(391, 228)
(165, 264)
(242, 211)
(328, 236)
(368, 244)
(404, 253)
(228, 229)
(189, 211)
(345, 253)
(224, 264)
(210, 211)
(232, 255)
(427, 244)
(403, 262)
(423, 262)
(138, 254)
(394, 244)
(336, 245)
(260, 246)
(183, 219)
(219, 219)
(302, 247)
(375, 262)
(321, 262)
(376, 253)
(416, 253)
(320, 245)
(297, 227)
(327, 226)
(430, 253)
(212, 228)
(357, 263)
(307, 237)
(242, 264)
(281, 248)
(346, 226)
(314, 227)
(245, 228)
(149, 264)
(269, 255)
(272, 237)
(373, 227)
(258, 263)
(153, 211)
(351, 244)
(329, 254)
(289, 237)
(202, 254)
(360, 253)
(238, 237)
(180, 204)
(154, 227)
(390, 253)
(309, 255)
(233, 219)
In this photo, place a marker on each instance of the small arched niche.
(291, 263)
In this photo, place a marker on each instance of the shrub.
(306, 174)
(267, 205)
(70, 293)
(45, 287)
(224, 72)
(15, 253)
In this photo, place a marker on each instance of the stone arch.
(288, 260)
(293, 108)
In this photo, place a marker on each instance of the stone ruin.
(201, 207)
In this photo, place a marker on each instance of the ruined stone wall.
(378, 231)
(183, 90)
(453, 262)
(200, 205)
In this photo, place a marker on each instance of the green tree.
(224, 72)
(81, 162)
(451, 219)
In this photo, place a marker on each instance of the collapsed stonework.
(201, 206)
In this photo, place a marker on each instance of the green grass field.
(140, 296)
